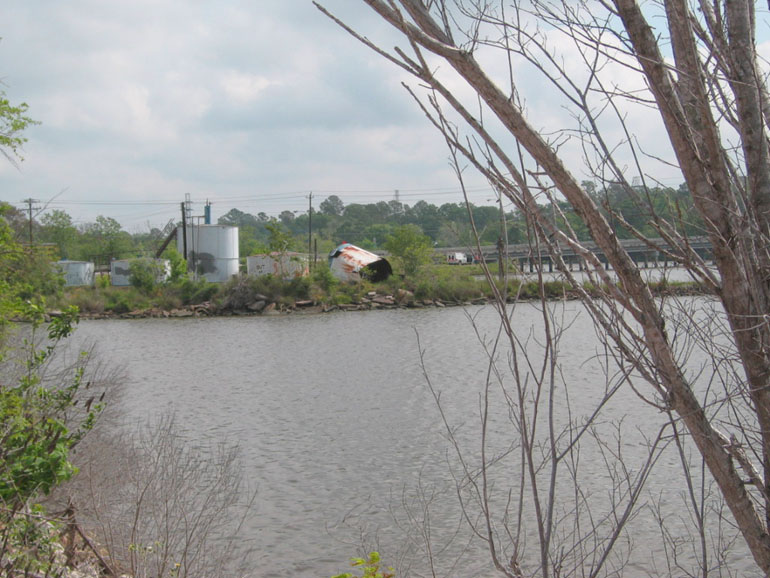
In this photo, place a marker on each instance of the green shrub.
(86, 299)
(123, 299)
(40, 425)
(370, 566)
(177, 263)
(34, 455)
(323, 277)
(193, 292)
(147, 274)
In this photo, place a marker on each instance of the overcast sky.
(247, 104)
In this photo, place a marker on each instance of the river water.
(343, 438)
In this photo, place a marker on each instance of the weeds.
(370, 566)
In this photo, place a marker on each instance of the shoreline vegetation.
(435, 286)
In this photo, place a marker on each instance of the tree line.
(366, 225)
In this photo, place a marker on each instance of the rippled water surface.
(336, 424)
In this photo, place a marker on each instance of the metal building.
(283, 265)
(76, 272)
(120, 270)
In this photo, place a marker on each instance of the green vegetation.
(409, 248)
(370, 567)
(34, 455)
(13, 122)
(39, 423)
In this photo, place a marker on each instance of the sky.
(257, 105)
(248, 105)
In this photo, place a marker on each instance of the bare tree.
(161, 508)
(618, 67)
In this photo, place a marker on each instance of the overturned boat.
(350, 263)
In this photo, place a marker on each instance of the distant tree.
(57, 228)
(378, 233)
(410, 247)
(286, 217)
(17, 220)
(397, 209)
(427, 217)
(237, 218)
(333, 205)
(106, 240)
(279, 239)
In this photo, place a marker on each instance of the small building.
(350, 263)
(120, 270)
(282, 265)
(76, 273)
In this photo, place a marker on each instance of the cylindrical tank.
(77, 272)
(212, 250)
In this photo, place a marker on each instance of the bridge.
(641, 253)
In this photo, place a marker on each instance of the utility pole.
(310, 225)
(502, 245)
(30, 202)
(184, 235)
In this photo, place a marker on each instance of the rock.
(257, 306)
(270, 310)
(180, 313)
(383, 300)
(438, 303)
(404, 296)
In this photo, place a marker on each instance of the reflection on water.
(337, 427)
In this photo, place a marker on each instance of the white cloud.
(244, 88)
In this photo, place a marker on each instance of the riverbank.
(258, 304)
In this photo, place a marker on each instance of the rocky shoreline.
(260, 305)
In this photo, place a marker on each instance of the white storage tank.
(212, 251)
(76, 272)
(120, 270)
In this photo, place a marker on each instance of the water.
(340, 432)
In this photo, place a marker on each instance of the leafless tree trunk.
(695, 66)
